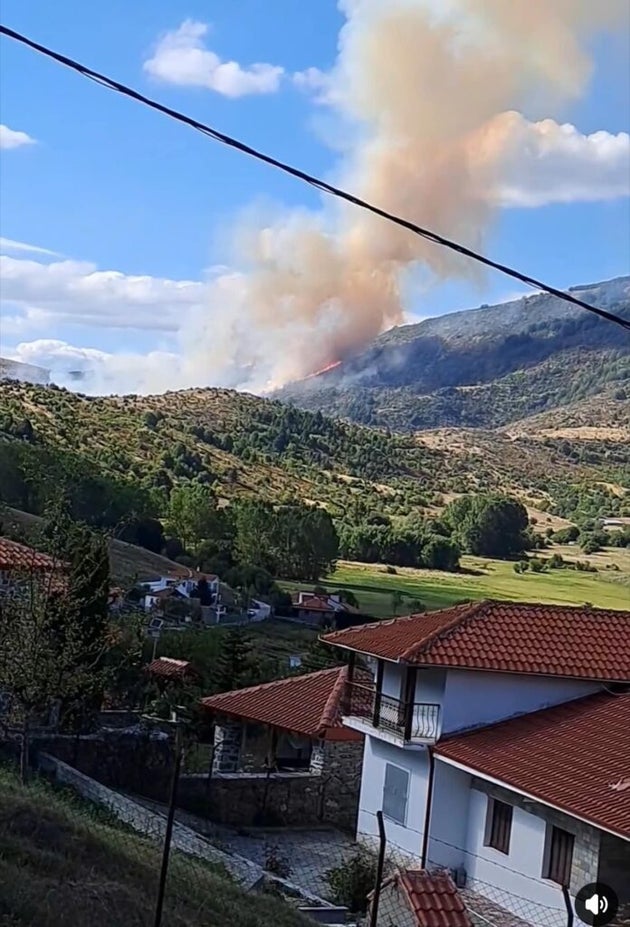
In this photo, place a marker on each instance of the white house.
(498, 746)
(180, 586)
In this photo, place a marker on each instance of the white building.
(179, 586)
(475, 769)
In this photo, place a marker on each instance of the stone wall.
(137, 761)
(327, 793)
(152, 824)
(147, 822)
(228, 738)
(141, 762)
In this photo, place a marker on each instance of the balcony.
(409, 722)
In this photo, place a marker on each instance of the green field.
(482, 579)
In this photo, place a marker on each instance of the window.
(498, 825)
(395, 793)
(558, 855)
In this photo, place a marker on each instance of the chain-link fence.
(111, 836)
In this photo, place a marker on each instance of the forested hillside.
(131, 451)
(482, 368)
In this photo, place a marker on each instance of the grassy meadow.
(485, 579)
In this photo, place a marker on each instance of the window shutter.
(395, 793)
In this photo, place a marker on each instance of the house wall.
(472, 699)
(449, 817)
(514, 880)
(406, 840)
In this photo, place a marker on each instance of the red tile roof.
(170, 668)
(308, 704)
(314, 603)
(509, 637)
(20, 558)
(432, 898)
(575, 756)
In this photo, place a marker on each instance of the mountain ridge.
(513, 359)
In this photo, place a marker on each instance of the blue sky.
(111, 186)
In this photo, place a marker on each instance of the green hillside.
(63, 863)
(245, 445)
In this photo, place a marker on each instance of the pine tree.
(232, 664)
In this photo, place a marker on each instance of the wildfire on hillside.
(325, 369)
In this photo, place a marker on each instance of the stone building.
(281, 754)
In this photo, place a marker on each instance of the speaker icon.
(596, 904)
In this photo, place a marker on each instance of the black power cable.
(112, 84)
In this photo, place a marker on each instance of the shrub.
(536, 566)
(566, 535)
(276, 862)
(590, 545)
(352, 881)
(556, 562)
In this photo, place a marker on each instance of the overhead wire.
(310, 179)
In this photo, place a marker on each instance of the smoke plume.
(432, 100)
(426, 93)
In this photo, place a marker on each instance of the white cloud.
(538, 163)
(11, 138)
(318, 83)
(50, 294)
(9, 244)
(182, 58)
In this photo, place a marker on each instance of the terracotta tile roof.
(308, 704)
(170, 668)
(432, 898)
(575, 756)
(20, 558)
(509, 637)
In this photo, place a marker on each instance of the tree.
(488, 525)
(145, 532)
(397, 600)
(58, 648)
(193, 515)
(294, 541)
(440, 553)
(232, 661)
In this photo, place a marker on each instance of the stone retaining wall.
(144, 821)
(327, 793)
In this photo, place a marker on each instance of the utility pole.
(170, 818)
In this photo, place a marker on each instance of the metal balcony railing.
(410, 720)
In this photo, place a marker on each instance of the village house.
(497, 746)
(19, 563)
(178, 586)
(282, 753)
(325, 610)
(167, 670)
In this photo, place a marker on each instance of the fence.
(254, 875)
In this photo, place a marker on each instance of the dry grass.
(63, 864)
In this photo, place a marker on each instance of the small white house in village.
(178, 586)
(497, 746)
